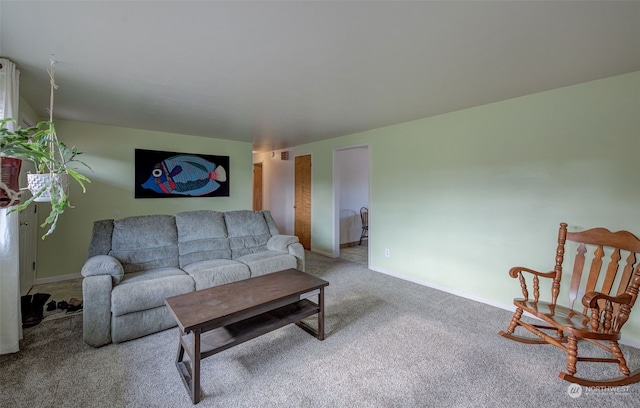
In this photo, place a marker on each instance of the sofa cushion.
(134, 325)
(202, 235)
(248, 232)
(265, 262)
(145, 242)
(216, 272)
(148, 289)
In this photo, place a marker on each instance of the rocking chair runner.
(605, 311)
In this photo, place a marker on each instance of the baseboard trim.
(466, 295)
(352, 244)
(327, 254)
(629, 342)
(53, 279)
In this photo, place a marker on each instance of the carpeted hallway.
(390, 343)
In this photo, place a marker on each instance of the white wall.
(277, 188)
(460, 198)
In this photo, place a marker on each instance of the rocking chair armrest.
(590, 299)
(513, 272)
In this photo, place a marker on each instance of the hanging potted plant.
(14, 146)
(53, 168)
(54, 161)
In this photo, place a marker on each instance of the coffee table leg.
(195, 380)
(180, 355)
(321, 314)
(183, 370)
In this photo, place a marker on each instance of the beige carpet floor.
(390, 343)
(356, 253)
(59, 291)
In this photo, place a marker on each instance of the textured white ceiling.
(280, 74)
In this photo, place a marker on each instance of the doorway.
(351, 194)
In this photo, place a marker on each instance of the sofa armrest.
(100, 273)
(290, 244)
(96, 313)
(103, 265)
(297, 250)
(281, 242)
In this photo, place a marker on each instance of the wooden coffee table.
(215, 319)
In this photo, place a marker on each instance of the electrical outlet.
(387, 253)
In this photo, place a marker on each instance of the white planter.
(36, 182)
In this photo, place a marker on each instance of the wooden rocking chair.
(605, 311)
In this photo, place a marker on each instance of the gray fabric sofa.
(135, 263)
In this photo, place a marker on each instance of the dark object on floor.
(75, 302)
(72, 309)
(604, 280)
(51, 306)
(63, 305)
(33, 308)
(25, 305)
(74, 305)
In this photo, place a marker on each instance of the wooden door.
(302, 207)
(257, 187)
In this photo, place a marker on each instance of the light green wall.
(460, 198)
(110, 153)
(27, 112)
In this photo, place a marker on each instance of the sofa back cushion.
(101, 238)
(271, 223)
(248, 232)
(202, 236)
(145, 242)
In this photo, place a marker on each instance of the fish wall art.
(161, 174)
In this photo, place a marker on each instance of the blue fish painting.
(185, 175)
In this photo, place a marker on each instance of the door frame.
(336, 201)
(28, 228)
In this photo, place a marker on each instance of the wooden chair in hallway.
(606, 295)
(364, 218)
